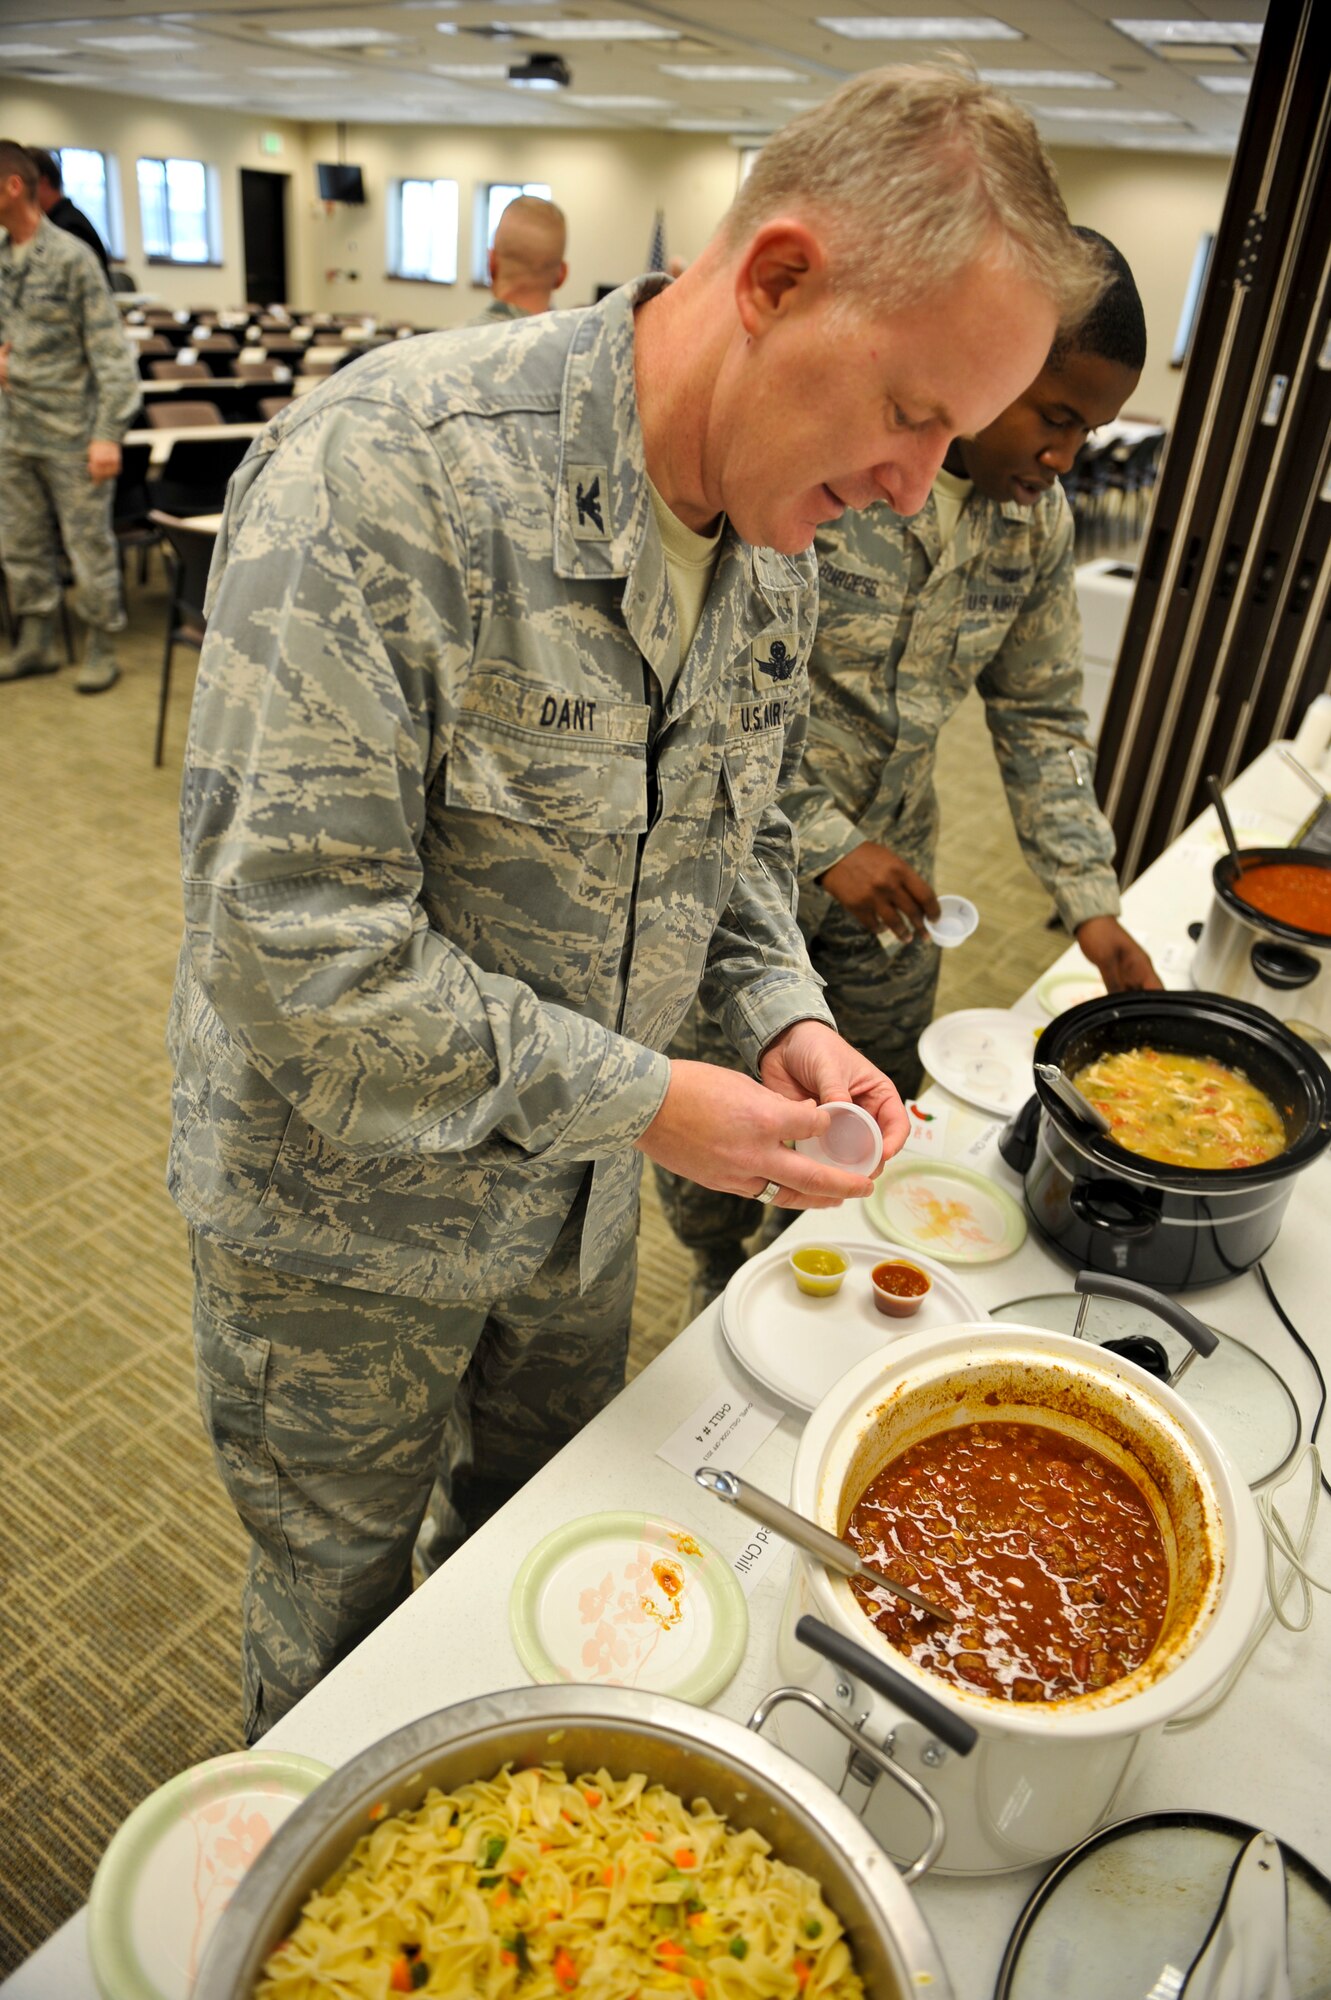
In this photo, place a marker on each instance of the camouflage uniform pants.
(327, 1408)
(35, 494)
(882, 1003)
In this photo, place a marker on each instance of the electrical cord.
(1307, 1354)
(1279, 1539)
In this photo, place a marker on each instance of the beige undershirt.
(950, 496)
(690, 562)
(20, 250)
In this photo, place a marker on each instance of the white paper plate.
(1068, 987)
(173, 1867)
(629, 1600)
(799, 1346)
(937, 1206)
(983, 1056)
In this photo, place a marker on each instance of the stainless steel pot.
(690, 1750)
(1249, 956)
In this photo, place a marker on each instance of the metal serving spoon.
(1064, 1088)
(807, 1535)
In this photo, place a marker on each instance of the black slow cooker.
(1106, 1209)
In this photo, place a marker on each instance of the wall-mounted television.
(338, 182)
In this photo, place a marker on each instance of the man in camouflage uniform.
(975, 591)
(527, 264)
(480, 791)
(68, 392)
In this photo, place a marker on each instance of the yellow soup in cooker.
(1186, 1111)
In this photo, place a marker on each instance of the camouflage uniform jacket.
(904, 632)
(454, 866)
(497, 309)
(72, 377)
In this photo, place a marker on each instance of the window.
(90, 182)
(178, 211)
(492, 198)
(423, 231)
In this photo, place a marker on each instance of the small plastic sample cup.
(955, 922)
(900, 1288)
(852, 1141)
(818, 1269)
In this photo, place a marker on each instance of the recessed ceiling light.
(334, 38)
(28, 51)
(720, 125)
(729, 73)
(1094, 116)
(621, 103)
(1226, 86)
(1046, 79)
(558, 30)
(471, 72)
(920, 28)
(294, 72)
(1248, 33)
(134, 45)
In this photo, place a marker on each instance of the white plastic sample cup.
(955, 922)
(852, 1141)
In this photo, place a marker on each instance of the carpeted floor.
(119, 1557)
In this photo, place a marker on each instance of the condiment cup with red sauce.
(900, 1288)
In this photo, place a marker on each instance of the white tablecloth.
(1262, 1757)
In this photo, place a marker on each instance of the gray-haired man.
(506, 666)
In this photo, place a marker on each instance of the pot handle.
(1103, 1284)
(871, 1761)
(1094, 1202)
(885, 1680)
(1283, 966)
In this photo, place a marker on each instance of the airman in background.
(527, 265)
(68, 392)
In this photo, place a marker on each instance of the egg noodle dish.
(534, 1885)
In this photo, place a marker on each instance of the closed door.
(263, 214)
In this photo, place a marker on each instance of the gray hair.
(911, 173)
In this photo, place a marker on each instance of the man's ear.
(492, 265)
(782, 266)
(560, 277)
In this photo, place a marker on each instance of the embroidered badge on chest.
(588, 490)
(774, 660)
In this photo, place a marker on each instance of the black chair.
(190, 560)
(194, 478)
(130, 508)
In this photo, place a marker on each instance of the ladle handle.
(884, 1680)
(807, 1535)
(1217, 799)
(1104, 1285)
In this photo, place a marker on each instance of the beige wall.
(1154, 206)
(608, 184)
(128, 127)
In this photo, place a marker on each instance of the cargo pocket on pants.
(232, 1372)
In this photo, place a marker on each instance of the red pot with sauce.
(1267, 938)
(1148, 1518)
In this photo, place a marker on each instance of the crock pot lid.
(1127, 1912)
(1240, 1398)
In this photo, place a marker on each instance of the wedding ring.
(769, 1193)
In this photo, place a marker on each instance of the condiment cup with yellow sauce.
(900, 1288)
(818, 1269)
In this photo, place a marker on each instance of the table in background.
(1260, 1758)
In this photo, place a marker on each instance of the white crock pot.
(1042, 1775)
